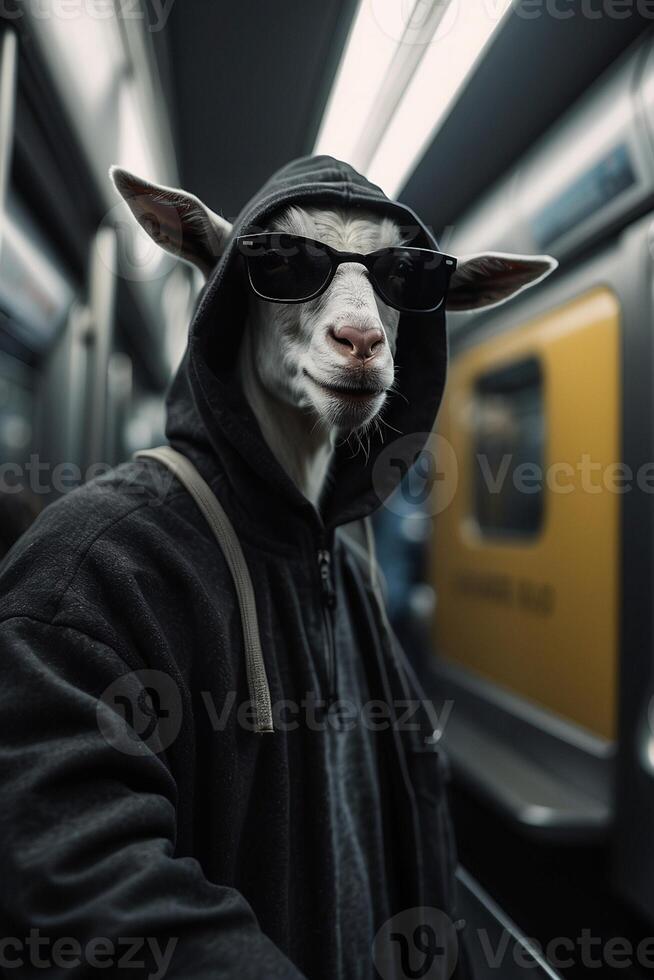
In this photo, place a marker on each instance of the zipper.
(328, 607)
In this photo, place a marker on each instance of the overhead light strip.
(398, 79)
(418, 34)
(367, 56)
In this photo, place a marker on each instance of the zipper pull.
(325, 565)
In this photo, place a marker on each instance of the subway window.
(509, 448)
(35, 294)
(16, 409)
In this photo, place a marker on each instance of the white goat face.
(332, 356)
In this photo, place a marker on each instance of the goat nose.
(359, 343)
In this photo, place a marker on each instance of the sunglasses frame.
(243, 243)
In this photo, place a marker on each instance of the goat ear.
(179, 222)
(491, 278)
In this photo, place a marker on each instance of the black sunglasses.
(288, 269)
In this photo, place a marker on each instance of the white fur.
(300, 419)
(287, 357)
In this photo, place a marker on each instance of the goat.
(318, 371)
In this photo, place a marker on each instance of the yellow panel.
(538, 615)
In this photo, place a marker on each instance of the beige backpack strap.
(225, 535)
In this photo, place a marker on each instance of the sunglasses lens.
(288, 269)
(411, 278)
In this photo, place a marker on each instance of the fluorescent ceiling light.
(134, 150)
(85, 52)
(386, 106)
(368, 53)
(447, 62)
(101, 67)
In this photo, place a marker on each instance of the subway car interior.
(518, 553)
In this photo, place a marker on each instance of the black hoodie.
(261, 856)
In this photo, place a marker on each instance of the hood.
(206, 406)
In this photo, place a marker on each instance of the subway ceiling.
(246, 83)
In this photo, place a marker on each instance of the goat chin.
(310, 379)
(302, 436)
(348, 414)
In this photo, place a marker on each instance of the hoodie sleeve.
(87, 835)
